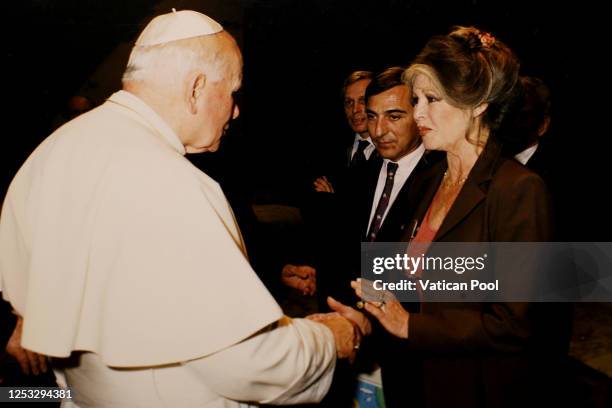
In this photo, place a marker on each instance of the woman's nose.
(419, 111)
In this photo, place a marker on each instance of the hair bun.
(471, 67)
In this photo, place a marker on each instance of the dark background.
(297, 54)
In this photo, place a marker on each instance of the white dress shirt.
(368, 150)
(526, 154)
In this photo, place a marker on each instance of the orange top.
(426, 233)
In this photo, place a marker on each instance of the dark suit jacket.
(334, 162)
(400, 213)
(543, 163)
(348, 217)
(476, 354)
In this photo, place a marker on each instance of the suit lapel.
(474, 190)
(425, 187)
(367, 190)
(347, 155)
(374, 156)
(400, 213)
(470, 196)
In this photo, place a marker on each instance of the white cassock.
(112, 243)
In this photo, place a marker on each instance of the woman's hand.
(389, 312)
(365, 327)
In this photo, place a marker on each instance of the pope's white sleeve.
(289, 362)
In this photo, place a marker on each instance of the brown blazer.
(475, 354)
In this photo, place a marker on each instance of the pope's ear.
(480, 109)
(196, 91)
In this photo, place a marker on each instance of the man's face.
(391, 124)
(354, 106)
(216, 106)
(220, 109)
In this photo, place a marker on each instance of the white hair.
(174, 60)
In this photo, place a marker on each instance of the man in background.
(361, 149)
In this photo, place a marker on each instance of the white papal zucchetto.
(177, 25)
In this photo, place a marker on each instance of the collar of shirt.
(526, 154)
(405, 167)
(368, 150)
(149, 116)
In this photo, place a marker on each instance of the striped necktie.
(383, 203)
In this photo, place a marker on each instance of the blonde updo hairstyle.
(470, 67)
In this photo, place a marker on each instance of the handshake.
(348, 326)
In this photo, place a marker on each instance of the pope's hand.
(346, 333)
